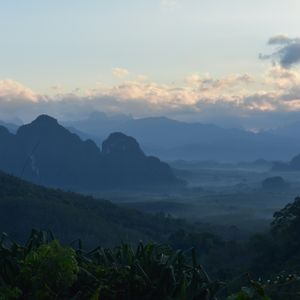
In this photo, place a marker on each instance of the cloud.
(17, 100)
(281, 39)
(287, 53)
(120, 72)
(13, 91)
(233, 99)
(282, 78)
(206, 83)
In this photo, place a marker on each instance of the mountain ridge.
(49, 154)
(171, 139)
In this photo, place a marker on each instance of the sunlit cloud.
(240, 97)
(13, 91)
(120, 72)
(282, 78)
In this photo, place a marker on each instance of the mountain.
(10, 126)
(276, 183)
(98, 124)
(293, 165)
(290, 130)
(85, 136)
(125, 162)
(45, 152)
(24, 206)
(170, 139)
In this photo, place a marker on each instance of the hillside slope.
(24, 206)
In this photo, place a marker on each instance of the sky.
(233, 62)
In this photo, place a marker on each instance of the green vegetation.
(24, 206)
(46, 269)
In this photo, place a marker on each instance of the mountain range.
(289, 130)
(293, 165)
(47, 153)
(170, 139)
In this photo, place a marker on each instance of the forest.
(92, 249)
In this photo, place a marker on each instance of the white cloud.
(120, 72)
(234, 97)
(282, 78)
(13, 91)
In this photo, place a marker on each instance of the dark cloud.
(290, 55)
(287, 53)
(281, 40)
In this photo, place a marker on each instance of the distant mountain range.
(292, 165)
(170, 139)
(46, 153)
(291, 130)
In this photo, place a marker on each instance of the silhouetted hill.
(170, 139)
(47, 153)
(24, 206)
(276, 183)
(10, 126)
(126, 162)
(120, 145)
(293, 165)
(4, 131)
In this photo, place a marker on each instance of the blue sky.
(63, 46)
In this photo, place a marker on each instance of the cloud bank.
(245, 100)
(235, 98)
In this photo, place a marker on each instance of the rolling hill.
(24, 206)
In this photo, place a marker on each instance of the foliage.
(44, 269)
(278, 251)
(286, 222)
(283, 286)
(49, 270)
(256, 291)
(7, 293)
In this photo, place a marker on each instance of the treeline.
(263, 255)
(148, 270)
